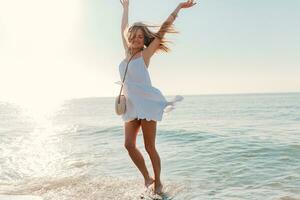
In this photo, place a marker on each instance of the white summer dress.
(143, 101)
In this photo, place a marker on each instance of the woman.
(145, 104)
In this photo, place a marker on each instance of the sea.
(212, 147)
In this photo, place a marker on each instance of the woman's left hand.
(187, 4)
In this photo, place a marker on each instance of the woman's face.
(137, 40)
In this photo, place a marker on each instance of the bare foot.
(149, 182)
(158, 188)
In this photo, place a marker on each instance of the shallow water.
(211, 147)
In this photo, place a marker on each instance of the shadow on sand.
(151, 196)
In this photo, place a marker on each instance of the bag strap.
(125, 75)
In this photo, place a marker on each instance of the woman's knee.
(150, 148)
(129, 146)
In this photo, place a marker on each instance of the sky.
(63, 49)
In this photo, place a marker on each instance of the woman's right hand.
(187, 4)
(125, 3)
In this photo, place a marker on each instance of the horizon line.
(207, 94)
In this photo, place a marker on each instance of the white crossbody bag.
(120, 102)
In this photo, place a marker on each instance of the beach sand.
(20, 197)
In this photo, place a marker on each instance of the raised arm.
(154, 45)
(124, 24)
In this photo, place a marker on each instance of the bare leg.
(131, 132)
(149, 133)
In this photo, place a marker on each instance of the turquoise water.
(211, 147)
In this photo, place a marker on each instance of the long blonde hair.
(149, 35)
